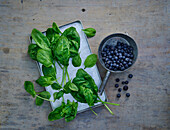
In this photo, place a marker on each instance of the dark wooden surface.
(147, 21)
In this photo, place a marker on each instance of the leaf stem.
(67, 74)
(44, 98)
(62, 78)
(108, 109)
(93, 111)
(112, 103)
(104, 103)
(65, 68)
(59, 64)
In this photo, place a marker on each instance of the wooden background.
(147, 21)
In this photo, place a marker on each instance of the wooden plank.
(145, 21)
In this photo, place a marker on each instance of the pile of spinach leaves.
(60, 47)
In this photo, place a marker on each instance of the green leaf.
(56, 86)
(56, 114)
(89, 96)
(70, 118)
(32, 51)
(56, 28)
(58, 95)
(76, 61)
(45, 57)
(41, 40)
(90, 61)
(72, 34)
(49, 71)
(45, 81)
(29, 87)
(61, 51)
(52, 35)
(67, 88)
(73, 87)
(43, 94)
(90, 32)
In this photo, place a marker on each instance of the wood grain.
(146, 21)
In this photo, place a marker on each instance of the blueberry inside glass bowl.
(117, 53)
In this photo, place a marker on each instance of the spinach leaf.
(45, 81)
(67, 88)
(29, 87)
(74, 47)
(56, 86)
(61, 51)
(90, 32)
(73, 87)
(89, 96)
(32, 51)
(49, 72)
(43, 94)
(41, 40)
(45, 57)
(85, 84)
(90, 61)
(56, 114)
(72, 34)
(76, 61)
(56, 28)
(58, 95)
(52, 36)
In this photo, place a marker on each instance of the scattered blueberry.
(126, 82)
(117, 80)
(127, 94)
(119, 89)
(130, 75)
(118, 95)
(125, 88)
(116, 85)
(123, 82)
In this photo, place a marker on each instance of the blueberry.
(122, 44)
(126, 82)
(103, 58)
(126, 66)
(117, 61)
(117, 79)
(107, 65)
(110, 68)
(128, 55)
(127, 94)
(123, 57)
(106, 59)
(121, 50)
(119, 89)
(116, 85)
(123, 82)
(115, 69)
(110, 57)
(119, 47)
(125, 87)
(131, 56)
(114, 61)
(121, 60)
(117, 65)
(125, 45)
(105, 49)
(118, 43)
(120, 57)
(107, 46)
(112, 48)
(130, 75)
(125, 54)
(111, 52)
(130, 63)
(118, 95)
(124, 62)
(116, 58)
(122, 68)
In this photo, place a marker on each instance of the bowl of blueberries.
(117, 53)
